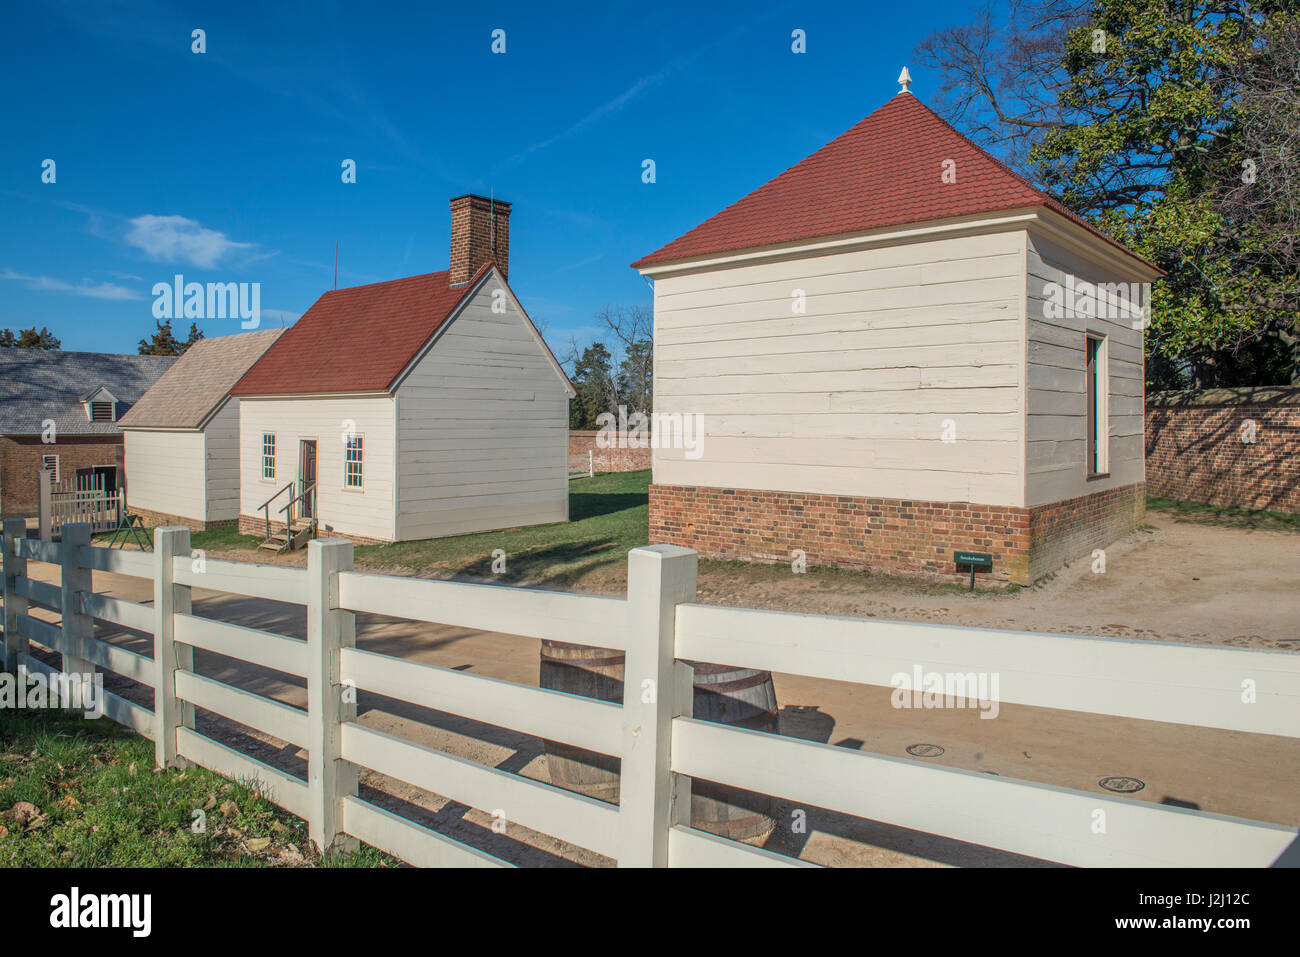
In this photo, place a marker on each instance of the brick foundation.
(256, 525)
(1063, 531)
(154, 519)
(1195, 450)
(890, 535)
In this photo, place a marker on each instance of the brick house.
(900, 349)
(410, 409)
(61, 409)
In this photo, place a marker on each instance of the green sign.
(972, 558)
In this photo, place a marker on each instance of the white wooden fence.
(661, 747)
(87, 502)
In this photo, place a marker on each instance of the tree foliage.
(29, 339)
(605, 381)
(1141, 115)
(164, 343)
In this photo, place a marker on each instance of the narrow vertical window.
(352, 475)
(268, 456)
(51, 462)
(1098, 401)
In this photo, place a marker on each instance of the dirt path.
(1173, 581)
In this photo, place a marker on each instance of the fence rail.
(660, 746)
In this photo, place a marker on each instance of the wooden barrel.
(747, 699)
(591, 673)
(738, 696)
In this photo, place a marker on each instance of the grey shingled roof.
(199, 381)
(40, 384)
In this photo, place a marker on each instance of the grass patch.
(1203, 514)
(81, 793)
(212, 539)
(608, 514)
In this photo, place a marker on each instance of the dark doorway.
(307, 460)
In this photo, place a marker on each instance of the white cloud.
(88, 288)
(175, 238)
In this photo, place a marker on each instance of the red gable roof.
(357, 339)
(883, 172)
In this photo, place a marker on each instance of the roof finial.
(905, 80)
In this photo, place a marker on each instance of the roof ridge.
(386, 282)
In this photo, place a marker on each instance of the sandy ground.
(1172, 581)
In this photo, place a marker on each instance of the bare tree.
(633, 327)
(1002, 80)
(1260, 200)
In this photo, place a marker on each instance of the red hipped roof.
(886, 171)
(357, 339)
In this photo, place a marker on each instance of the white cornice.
(1057, 227)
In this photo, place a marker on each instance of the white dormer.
(100, 405)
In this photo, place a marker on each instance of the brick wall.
(889, 535)
(1063, 531)
(609, 460)
(20, 461)
(1196, 449)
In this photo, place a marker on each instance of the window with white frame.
(51, 462)
(1097, 390)
(352, 467)
(268, 456)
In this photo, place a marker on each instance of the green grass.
(81, 793)
(1229, 517)
(212, 539)
(608, 514)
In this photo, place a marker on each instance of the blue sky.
(225, 166)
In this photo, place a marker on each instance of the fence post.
(657, 687)
(15, 566)
(329, 629)
(591, 463)
(169, 600)
(45, 497)
(77, 628)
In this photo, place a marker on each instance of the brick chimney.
(480, 230)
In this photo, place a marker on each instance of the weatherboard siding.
(221, 454)
(165, 472)
(851, 396)
(365, 512)
(1056, 429)
(482, 429)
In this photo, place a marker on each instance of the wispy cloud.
(647, 82)
(176, 239)
(88, 288)
(580, 263)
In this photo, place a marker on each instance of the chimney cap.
(486, 199)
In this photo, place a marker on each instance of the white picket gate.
(661, 629)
